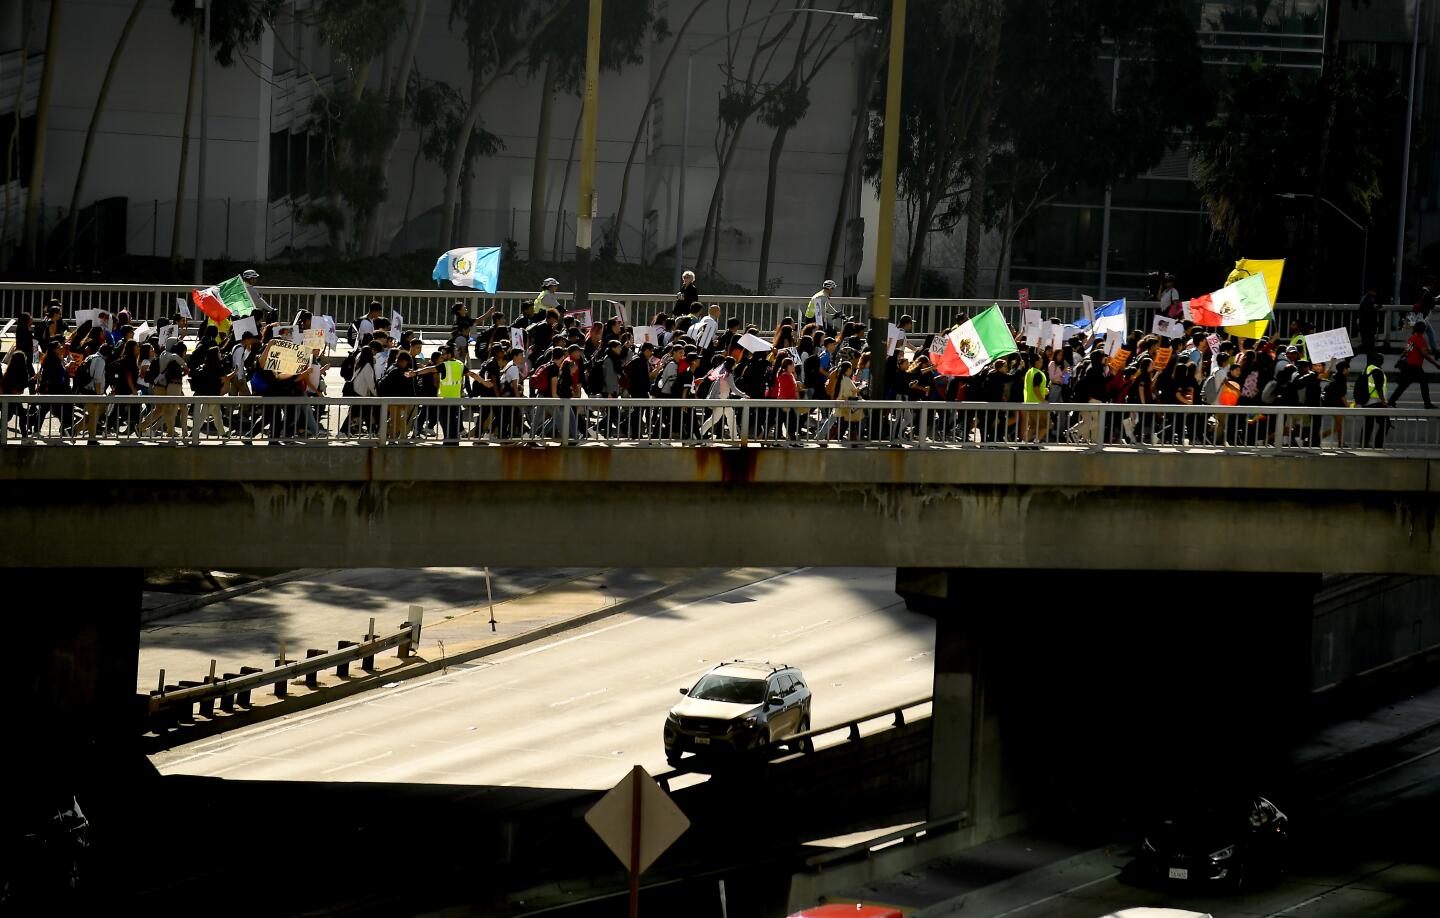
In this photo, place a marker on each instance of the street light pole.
(204, 143)
(585, 212)
(1405, 159)
(884, 233)
(685, 128)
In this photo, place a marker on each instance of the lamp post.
(204, 138)
(585, 212)
(884, 233)
(1405, 163)
(1363, 228)
(685, 120)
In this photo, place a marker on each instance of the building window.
(279, 165)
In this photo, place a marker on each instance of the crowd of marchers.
(687, 352)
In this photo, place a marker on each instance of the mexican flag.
(1242, 302)
(229, 300)
(969, 348)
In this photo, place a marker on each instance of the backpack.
(595, 376)
(85, 375)
(1362, 389)
(540, 379)
(1271, 392)
(347, 367)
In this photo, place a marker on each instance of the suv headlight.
(672, 718)
(1223, 854)
(748, 722)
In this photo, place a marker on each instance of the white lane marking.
(802, 629)
(357, 762)
(1052, 898)
(336, 708)
(573, 698)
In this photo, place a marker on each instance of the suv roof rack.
(774, 667)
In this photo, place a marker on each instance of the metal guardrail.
(431, 307)
(908, 835)
(806, 740)
(169, 705)
(49, 420)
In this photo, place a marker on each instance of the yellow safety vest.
(1370, 381)
(452, 378)
(1037, 386)
(811, 311)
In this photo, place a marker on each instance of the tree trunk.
(478, 89)
(27, 26)
(777, 146)
(42, 120)
(644, 115)
(852, 157)
(398, 89)
(1006, 232)
(184, 147)
(915, 261)
(105, 84)
(565, 184)
(540, 172)
(414, 172)
(712, 215)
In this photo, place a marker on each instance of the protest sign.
(327, 324)
(1329, 345)
(1024, 298)
(143, 332)
(397, 324)
(584, 317)
(1088, 303)
(1118, 360)
(1162, 358)
(1031, 323)
(183, 307)
(239, 327)
(517, 338)
(286, 358)
(754, 343)
(1214, 342)
(620, 311)
(86, 315)
(1167, 328)
(647, 334)
(314, 339)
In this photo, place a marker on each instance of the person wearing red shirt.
(785, 388)
(1412, 365)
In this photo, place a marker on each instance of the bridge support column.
(77, 662)
(1072, 693)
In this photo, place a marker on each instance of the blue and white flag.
(1108, 318)
(473, 267)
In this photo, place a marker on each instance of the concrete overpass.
(1002, 508)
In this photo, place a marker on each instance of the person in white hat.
(547, 298)
(820, 309)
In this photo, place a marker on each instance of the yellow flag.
(1272, 269)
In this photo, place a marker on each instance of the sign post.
(637, 821)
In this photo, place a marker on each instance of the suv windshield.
(728, 688)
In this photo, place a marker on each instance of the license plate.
(1179, 873)
(702, 740)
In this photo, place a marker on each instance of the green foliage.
(235, 25)
(625, 26)
(1265, 141)
(358, 31)
(438, 112)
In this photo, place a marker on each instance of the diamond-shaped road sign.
(660, 820)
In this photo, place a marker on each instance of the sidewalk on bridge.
(988, 878)
(320, 609)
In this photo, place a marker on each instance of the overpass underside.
(1088, 509)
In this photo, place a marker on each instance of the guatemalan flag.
(972, 346)
(473, 267)
(1108, 318)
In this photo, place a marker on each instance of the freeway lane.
(1364, 849)
(577, 710)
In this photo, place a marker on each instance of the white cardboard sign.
(1329, 345)
(1167, 327)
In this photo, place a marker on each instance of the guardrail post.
(854, 733)
(281, 688)
(1281, 431)
(921, 427)
(207, 705)
(242, 697)
(743, 434)
(343, 670)
(312, 680)
(227, 702)
(900, 717)
(368, 663)
(187, 712)
(416, 619)
(195, 424)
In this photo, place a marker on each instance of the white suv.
(738, 706)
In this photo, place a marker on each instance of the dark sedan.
(1232, 840)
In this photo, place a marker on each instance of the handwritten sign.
(314, 339)
(1025, 298)
(517, 338)
(1214, 342)
(143, 332)
(1088, 303)
(1118, 360)
(1168, 328)
(183, 308)
(647, 334)
(1162, 358)
(584, 317)
(285, 358)
(1329, 345)
(397, 324)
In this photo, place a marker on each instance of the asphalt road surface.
(1366, 847)
(577, 710)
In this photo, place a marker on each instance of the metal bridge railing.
(431, 307)
(624, 422)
